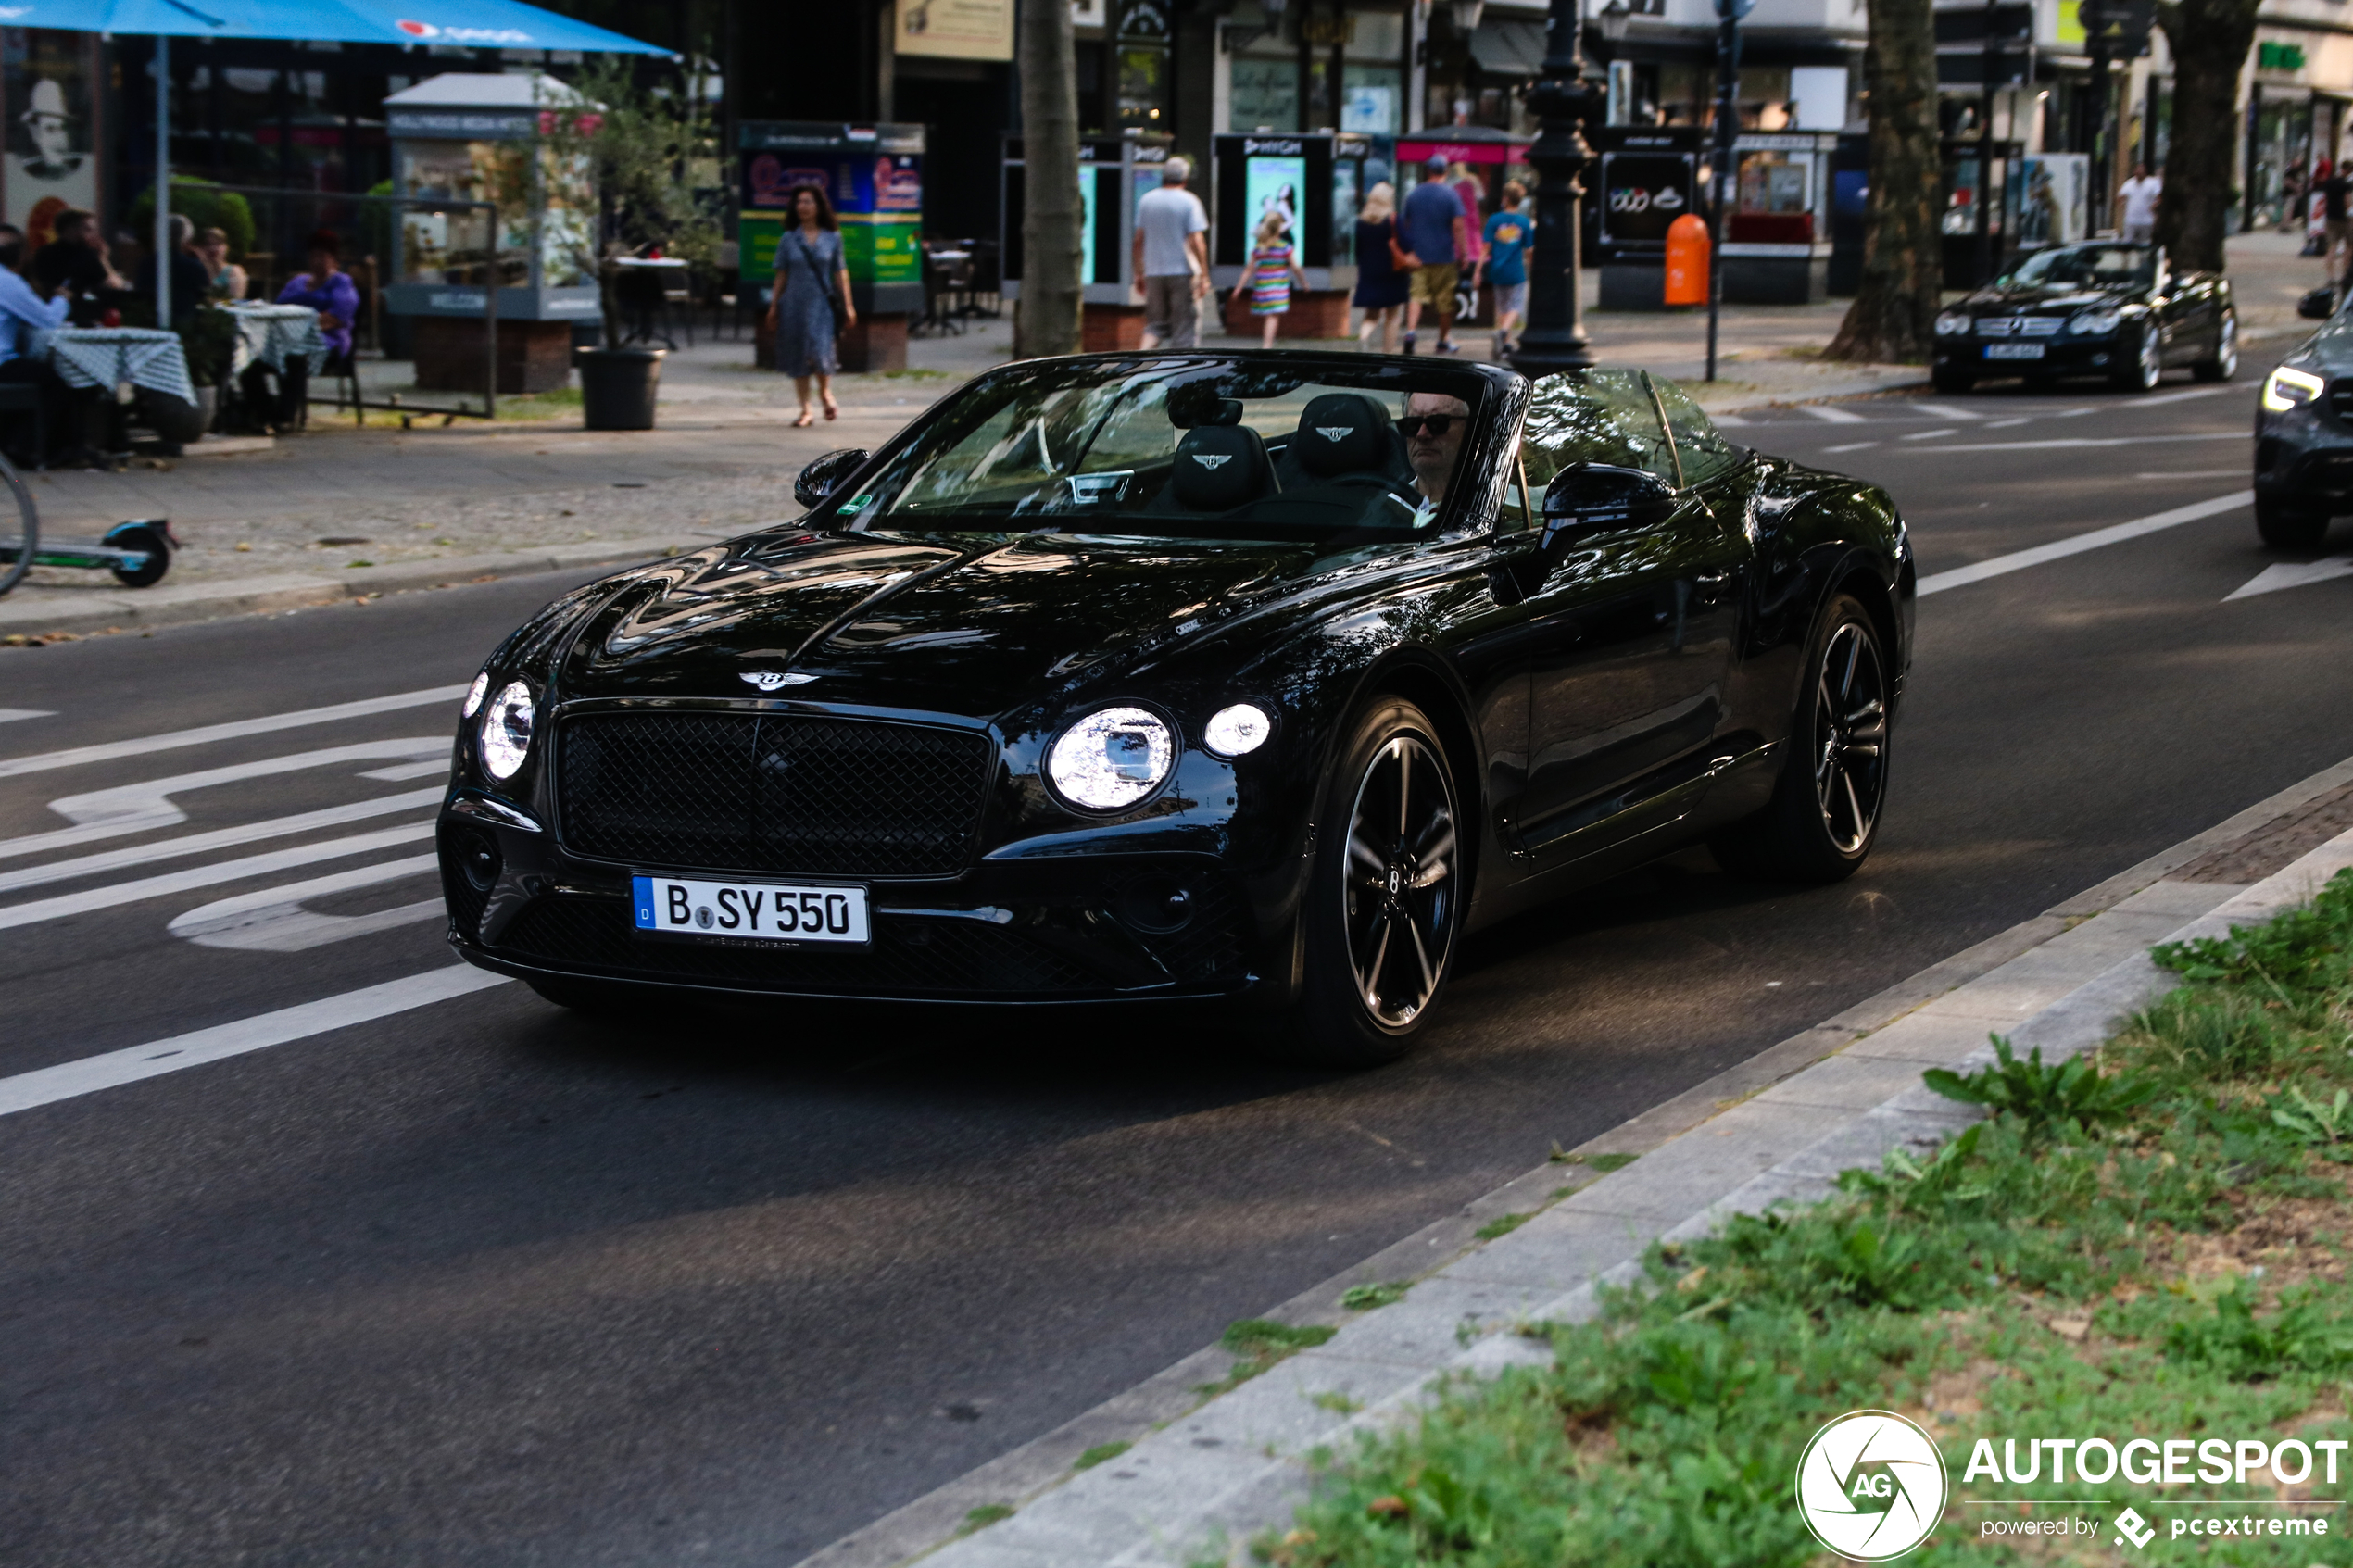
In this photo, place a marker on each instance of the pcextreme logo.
(1870, 1485)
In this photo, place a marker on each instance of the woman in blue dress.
(809, 270)
(1380, 286)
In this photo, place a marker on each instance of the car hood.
(971, 626)
(2061, 300)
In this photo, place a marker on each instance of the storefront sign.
(957, 30)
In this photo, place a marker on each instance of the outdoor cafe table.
(108, 356)
(271, 334)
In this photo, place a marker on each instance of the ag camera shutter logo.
(1871, 1485)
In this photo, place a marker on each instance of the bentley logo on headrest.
(1213, 460)
(1335, 432)
(769, 680)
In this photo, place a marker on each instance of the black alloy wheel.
(2223, 363)
(2146, 366)
(2284, 526)
(1384, 904)
(1825, 811)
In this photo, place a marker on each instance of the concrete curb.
(1198, 1488)
(145, 608)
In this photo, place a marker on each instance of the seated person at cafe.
(191, 278)
(329, 291)
(74, 266)
(23, 313)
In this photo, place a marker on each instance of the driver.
(1435, 425)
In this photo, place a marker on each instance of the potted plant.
(209, 337)
(634, 151)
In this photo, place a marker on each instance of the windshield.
(2099, 266)
(1206, 449)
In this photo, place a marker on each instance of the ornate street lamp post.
(1555, 339)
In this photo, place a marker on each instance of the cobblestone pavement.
(724, 455)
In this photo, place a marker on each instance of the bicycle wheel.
(19, 527)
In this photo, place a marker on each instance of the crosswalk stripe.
(1830, 415)
(215, 838)
(171, 740)
(121, 893)
(1947, 411)
(46, 1085)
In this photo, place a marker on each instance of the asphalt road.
(482, 1283)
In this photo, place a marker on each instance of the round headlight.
(1233, 731)
(506, 729)
(1952, 323)
(1112, 758)
(476, 693)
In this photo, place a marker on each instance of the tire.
(1388, 860)
(2285, 527)
(2223, 363)
(2147, 367)
(1825, 812)
(1952, 381)
(142, 536)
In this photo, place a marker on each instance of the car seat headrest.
(1340, 432)
(1219, 468)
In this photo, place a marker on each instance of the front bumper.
(2304, 455)
(2063, 355)
(1080, 928)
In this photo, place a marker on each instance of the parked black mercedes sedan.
(2106, 309)
(1261, 677)
(2304, 439)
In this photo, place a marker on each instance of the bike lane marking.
(171, 740)
(118, 893)
(46, 1085)
(2019, 561)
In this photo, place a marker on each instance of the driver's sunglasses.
(1436, 424)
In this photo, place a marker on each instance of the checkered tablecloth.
(107, 356)
(271, 334)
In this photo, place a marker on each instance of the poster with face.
(44, 92)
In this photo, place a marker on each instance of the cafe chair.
(24, 398)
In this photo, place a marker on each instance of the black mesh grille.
(763, 791)
(907, 957)
(2341, 398)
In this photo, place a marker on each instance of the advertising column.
(872, 176)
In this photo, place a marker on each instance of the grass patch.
(1098, 1453)
(1502, 1225)
(2144, 1241)
(1364, 1297)
(980, 1518)
(1261, 1343)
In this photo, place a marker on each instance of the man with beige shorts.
(1172, 259)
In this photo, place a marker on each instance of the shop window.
(1266, 93)
(1370, 100)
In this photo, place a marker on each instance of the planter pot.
(618, 386)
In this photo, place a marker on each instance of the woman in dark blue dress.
(1380, 286)
(809, 268)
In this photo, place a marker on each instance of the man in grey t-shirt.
(1172, 259)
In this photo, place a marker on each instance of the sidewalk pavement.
(1196, 1484)
(339, 504)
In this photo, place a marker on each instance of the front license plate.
(2013, 351)
(757, 911)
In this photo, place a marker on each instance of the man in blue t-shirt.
(1433, 231)
(1506, 264)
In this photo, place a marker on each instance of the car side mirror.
(817, 482)
(1587, 497)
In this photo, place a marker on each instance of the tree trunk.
(1893, 319)
(2209, 40)
(1047, 316)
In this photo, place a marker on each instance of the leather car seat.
(1343, 438)
(1217, 469)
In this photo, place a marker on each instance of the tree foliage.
(1894, 316)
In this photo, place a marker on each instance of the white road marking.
(218, 838)
(401, 772)
(2006, 424)
(2193, 392)
(2073, 413)
(2196, 473)
(138, 808)
(273, 920)
(1852, 446)
(46, 1085)
(108, 898)
(42, 762)
(2293, 574)
(1929, 434)
(2019, 561)
(10, 715)
(2055, 442)
(1731, 421)
(1947, 411)
(1831, 415)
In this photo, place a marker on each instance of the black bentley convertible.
(1260, 677)
(2109, 308)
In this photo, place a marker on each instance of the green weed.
(1502, 1225)
(987, 1513)
(1099, 1453)
(2045, 1099)
(1364, 1297)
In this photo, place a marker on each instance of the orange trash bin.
(1687, 259)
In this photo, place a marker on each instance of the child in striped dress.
(1273, 264)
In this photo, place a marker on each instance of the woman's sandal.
(833, 411)
(806, 419)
